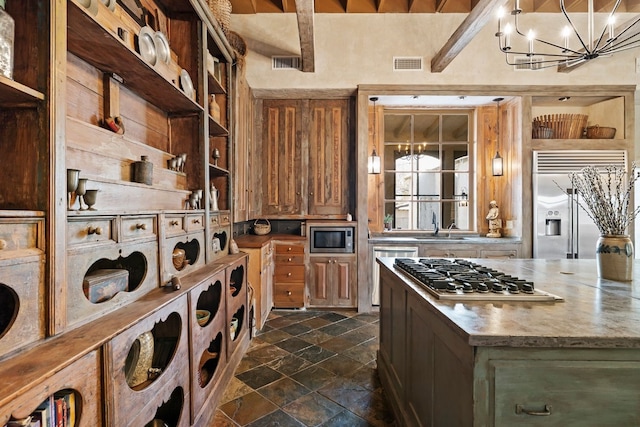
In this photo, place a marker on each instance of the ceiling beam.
(481, 14)
(305, 14)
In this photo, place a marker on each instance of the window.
(427, 169)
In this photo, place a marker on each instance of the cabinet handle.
(544, 413)
(288, 293)
(3, 244)
(289, 249)
(94, 230)
(289, 259)
(173, 223)
(288, 274)
(196, 221)
(141, 226)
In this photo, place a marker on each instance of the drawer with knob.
(195, 222)
(91, 230)
(138, 227)
(289, 273)
(288, 295)
(173, 225)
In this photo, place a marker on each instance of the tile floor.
(309, 368)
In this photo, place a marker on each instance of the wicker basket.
(541, 132)
(261, 229)
(221, 10)
(564, 126)
(600, 132)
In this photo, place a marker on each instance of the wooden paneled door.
(332, 281)
(283, 154)
(329, 156)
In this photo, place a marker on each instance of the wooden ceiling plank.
(422, 6)
(484, 12)
(440, 5)
(305, 15)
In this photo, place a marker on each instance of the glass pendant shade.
(496, 165)
(373, 163)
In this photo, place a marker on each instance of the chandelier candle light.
(570, 47)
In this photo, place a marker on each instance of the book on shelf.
(44, 413)
(65, 408)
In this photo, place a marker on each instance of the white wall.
(354, 49)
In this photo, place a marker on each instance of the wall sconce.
(373, 161)
(496, 163)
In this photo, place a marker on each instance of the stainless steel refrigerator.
(561, 228)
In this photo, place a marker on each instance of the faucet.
(452, 226)
(434, 221)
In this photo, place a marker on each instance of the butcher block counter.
(571, 360)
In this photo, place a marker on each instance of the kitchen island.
(574, 361)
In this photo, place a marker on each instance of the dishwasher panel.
(381, 252)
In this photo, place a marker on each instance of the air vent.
(528, 63)
(407, 63)
(553, 162)
(285, 62)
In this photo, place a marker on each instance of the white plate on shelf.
(147, 45)
(162, 47)
(111, 4)
(186, 84)
(90, 5)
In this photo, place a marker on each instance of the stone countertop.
(254, 241)
(441, 238)
(595, 313)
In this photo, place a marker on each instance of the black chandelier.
(572, 48)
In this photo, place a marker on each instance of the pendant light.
(373, 161)
(496, 163)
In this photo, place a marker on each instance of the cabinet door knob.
(289, 249)
(289, 259)
(94, 230)
(288, 293)
(142, 226)
(288, 274)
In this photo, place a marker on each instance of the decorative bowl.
(203, 316)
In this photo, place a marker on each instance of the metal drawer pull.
(288, 274)
(289, 249)
(172, 223)
(289, 260)
(196, 221)
(288, 293)
(95, 230)
(142, 226)
(546, 412)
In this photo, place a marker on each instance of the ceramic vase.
(614, 256)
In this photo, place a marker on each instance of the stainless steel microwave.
(331, 239)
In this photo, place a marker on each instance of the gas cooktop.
(460, 279)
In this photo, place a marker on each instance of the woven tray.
(564, 126)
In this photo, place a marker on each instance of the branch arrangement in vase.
(606, 196)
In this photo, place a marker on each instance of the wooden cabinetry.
(307, 173)
(436, 375)
(159, 342)
(260, 272)
(332, 281)
(288, 278)
(330, 157)
(75, 69)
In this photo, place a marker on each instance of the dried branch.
(606, 196)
